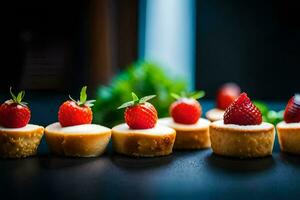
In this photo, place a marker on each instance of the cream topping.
(83, 128)
(215, 114)
(262, 126)
(28, 127)
(157, 130)
(168, 121)
(283, 124)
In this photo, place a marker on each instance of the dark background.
(253, 43)
(60, 46)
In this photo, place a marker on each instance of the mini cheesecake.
(18, 138)
(189, 136)
(215, 114)
(86, 140)
(20, 142)
(289, 129)
(75, 135)
(289, 137)
(141, 135)
(244, 141)
(150, 142)
(242, 133)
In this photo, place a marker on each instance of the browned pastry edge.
(20, 144)
(241, 143)
(196, 139)
(77, 145)
(289, 139)
(143, 145)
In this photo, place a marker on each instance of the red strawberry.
(140, 114)
(242, 112)
(73, 112)
(14, 113)
(292, 110)
(186, 110)
(227, 94)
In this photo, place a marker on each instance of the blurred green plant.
(268, 115)
(142, 78)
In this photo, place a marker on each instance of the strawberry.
(292, 110)
(14, 113)
(186, 110)
(73, 112)
(242, 112)
(227, 94)
(140, 114)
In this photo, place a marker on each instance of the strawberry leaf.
(146, 98)
(127, 104)
(136, 100)
(17, 99)
(12, 95)
(134, 97)
(175, 96)
(83, 98)
(197, 94)
(193, 95)
(90, 103)
(72, 99)
(20, 96)
(83, 95)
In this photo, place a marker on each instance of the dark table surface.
(182, 175)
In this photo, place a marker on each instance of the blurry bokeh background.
(56, 47)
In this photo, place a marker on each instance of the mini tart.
(20, 142)
(157, 141)
(215, 114)
(189, 136)
(249, 141)
(86, 140)
(289, 137)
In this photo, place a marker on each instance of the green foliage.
(143, 78)
(270, 116)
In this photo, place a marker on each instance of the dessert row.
(234, 129)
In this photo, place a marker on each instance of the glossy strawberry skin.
(226, 95)
(292, 110)
(13, 115)
(141, 116)
(242, 112)
(71, 114)
(186, 111)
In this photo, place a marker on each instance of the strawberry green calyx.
(17, 99)
(194, 95)
(136, 100)
(83, 98)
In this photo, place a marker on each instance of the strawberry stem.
(83, 98)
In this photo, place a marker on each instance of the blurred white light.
(169, 36)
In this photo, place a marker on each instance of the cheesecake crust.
(140, 144)
(195, 136)
(20, 144)
(77, 144)
(242, 142)
(198, 139)
(289, 138)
